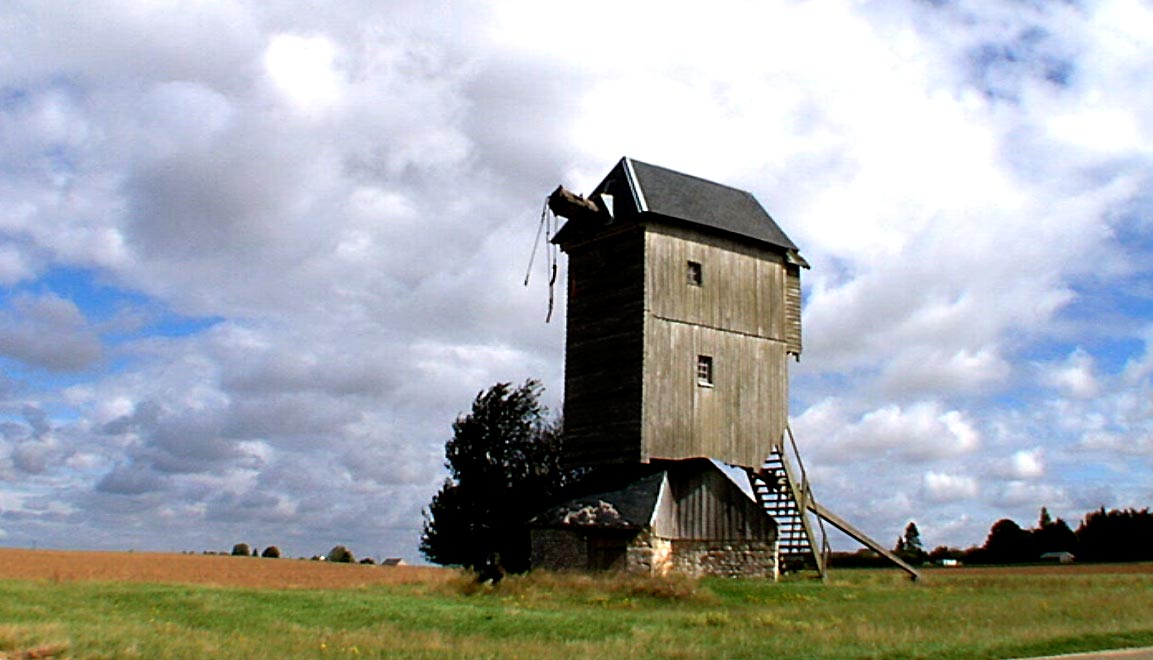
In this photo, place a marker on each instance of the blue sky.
(256, 256)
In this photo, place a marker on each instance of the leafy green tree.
(1116, 535)
(504, 467)
(910, 547)
(1053, 535)
(1007, 543)
(1045, 520)
(340, 555)
(241, 550)
(271, 552)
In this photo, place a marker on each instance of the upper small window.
(705, 370)
(696, 275)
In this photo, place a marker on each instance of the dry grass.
(216, 570)
(540, 586)
(10, 646)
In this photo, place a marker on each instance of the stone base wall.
(751, 559)
(560, 549)
(650, 555)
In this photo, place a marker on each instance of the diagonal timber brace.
(784, 491)
(844, 525)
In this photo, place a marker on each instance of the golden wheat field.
(217, 570)
(257, 572)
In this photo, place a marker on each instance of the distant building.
(1063, 557)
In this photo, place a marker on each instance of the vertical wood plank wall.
(604, 350)
(742, 288)
(738, 317)
(703, 505)
(793, 309)
(635, 327)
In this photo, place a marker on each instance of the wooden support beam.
(844, 525)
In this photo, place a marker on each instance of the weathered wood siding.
(793, 309)
(636, 325)
(736, 316)
(704, 506)
(604, 350)
(743, 287)
(738, 419)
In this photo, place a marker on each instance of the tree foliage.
(271, 552)
(1007, 543)
(504, 467)
(341, 555)
(910, 547)
(1116, 535)
(241, 550)
(1052, 535)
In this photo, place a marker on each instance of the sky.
(256, 256)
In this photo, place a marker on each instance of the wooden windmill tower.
(684, 308)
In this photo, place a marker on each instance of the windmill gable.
(634, 191)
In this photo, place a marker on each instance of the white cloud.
(1026, 497)
(1074, 377)
(1106, 130)
(303, 68)
(918, 433)
(942, 487)
(48, 332)
(1027, 464)
(929, 370)
(1119, 443)
(15, 266)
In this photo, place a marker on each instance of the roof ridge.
(688, 176)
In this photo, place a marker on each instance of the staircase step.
(777, 496)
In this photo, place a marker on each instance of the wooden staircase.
(784, 492)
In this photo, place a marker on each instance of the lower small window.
(705, 370)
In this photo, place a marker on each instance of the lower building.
(694, 517)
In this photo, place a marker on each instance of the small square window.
(705, 370)
(696, 275)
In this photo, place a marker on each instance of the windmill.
(684, 309)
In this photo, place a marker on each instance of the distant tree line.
(242, 550)
(338, 554)
(1116, 535)
(1103, 536)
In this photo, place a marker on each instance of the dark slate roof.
(640, 190)
(627, 507)
(702, 202)
(626, 498)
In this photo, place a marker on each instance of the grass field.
(139, 605)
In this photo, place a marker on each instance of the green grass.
(857, 614)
